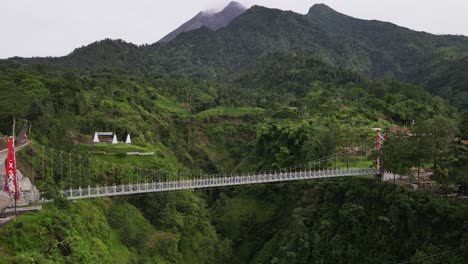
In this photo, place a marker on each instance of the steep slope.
(257, 32)
(213, 21)
(343, 221)
(114, 231)
(448, 79)
(405, 54)
(372, 47)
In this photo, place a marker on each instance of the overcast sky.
(56, 27)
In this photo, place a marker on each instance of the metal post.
(347, 160)
(89, 171)
(70, 164)
(61, 170)
(79, 169)
(13, 127)
(43, 165)
(52, 163)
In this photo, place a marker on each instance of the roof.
(105, 133)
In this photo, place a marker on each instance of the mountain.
(372, 48)
(375, 48)
(209, 19)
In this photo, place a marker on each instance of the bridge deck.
(128, 189)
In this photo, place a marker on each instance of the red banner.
(11, 181)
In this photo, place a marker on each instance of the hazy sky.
(56, 27)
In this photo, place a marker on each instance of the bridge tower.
(379, 141)
(11, 178)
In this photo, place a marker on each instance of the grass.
(117, 154)
(113, 148)
(361, 163)
(229, 111)
(166, 104)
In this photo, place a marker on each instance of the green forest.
(235, 101)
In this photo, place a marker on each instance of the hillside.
(351, 221)
(255, 122)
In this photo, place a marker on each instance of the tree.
(464, 123)
(420, 147)
(438, 133)
(397, 156)
(283, 158)
(457, 161)
(431, 141)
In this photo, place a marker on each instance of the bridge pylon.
(379, 141)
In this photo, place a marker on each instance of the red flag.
(11, 181)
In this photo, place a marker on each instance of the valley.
(266, 98)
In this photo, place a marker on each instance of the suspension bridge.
(211, 181)
(81, 177)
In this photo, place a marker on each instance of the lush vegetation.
(357, 221)
(309, 110)
(114, 231)
(238, 101)
(337, 221)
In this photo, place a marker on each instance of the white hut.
(114, 140)
(96, 138)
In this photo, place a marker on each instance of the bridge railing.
(209, 182)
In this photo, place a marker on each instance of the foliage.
(104, 231)
(74, 233)
(398, 154)
(343, 221)
(272, 90)
(457, 162)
